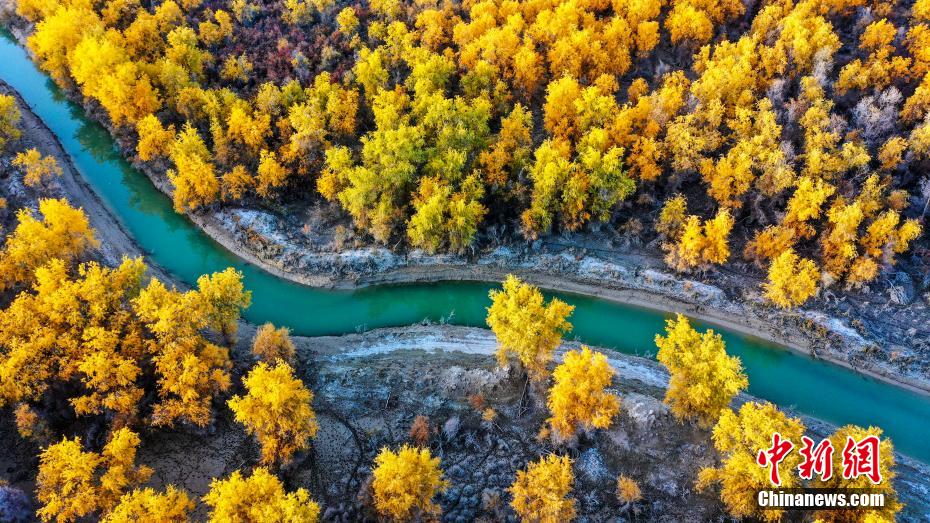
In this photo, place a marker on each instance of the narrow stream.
(820, 389)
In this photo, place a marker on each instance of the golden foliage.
(628, 490)
(880, 68)
(510, 152)
(559, 113)
(704, 379)
(347, 20)
(526, 327)
(405, 483)
(149, 506)
(38, 169)
(102, 67)
(194, 179)
(190, 369)
(839, 241)
(446, 218)
(223, 296)
(258, 498)
(73, 483)
(28, 422)
(237, 68)
(685, 22)
(697, 244)
(738, 438)
(792, 280)
(154, 139)
(769, 243)
(63, 233)
(671, 220)
(892, 152)
(277, 410)
(578, 399)
(212, 32)
(9, 120)
(93, 341)
(541, 492)
(271, 174)
(271, 344)
(236, 183)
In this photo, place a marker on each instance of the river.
(809, 386)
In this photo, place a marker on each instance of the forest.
(794, 136)
(791, 135)
(112, 353)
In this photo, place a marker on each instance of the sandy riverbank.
(809, 332)
(115, 241)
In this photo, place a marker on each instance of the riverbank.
(115, 241)
(630, 279)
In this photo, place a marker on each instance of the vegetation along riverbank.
(759, 166)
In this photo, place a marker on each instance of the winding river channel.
(810, 386)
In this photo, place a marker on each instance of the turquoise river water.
(810, 386)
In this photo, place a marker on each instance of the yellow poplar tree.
(194, 177)
(560, 116)
(628, 490)
(190, 369)
(37, 169)
(704, 379)
(578, 399)
(73, 483)
(792, 280)
(9, 120)
(257, 499)
(63, 232)
(272, 344)
(224, 296)
(271, 174)
(526, 327)
(154, 139)
(149, 506)
(672, 218)
(405, 483)
(739, 438)
(541, 492)
(277, 410)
